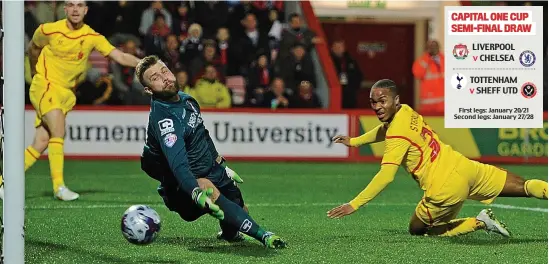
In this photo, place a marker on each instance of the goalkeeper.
(180, 154)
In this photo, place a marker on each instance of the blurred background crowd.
(230, 54)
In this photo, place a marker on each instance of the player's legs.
(219, 177)
(435, 214)
(236, 217)
(229, 232)
(32, 152)
(516, 186)
(52, 108)
(434, 220)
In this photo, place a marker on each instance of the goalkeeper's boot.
(64, 194)
(239, 237)
(270, 240)
(492, 224)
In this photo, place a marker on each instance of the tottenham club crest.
(458, 81)
(528, 90)
(460, 51)
(527, 58)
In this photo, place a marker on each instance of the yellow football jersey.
(411, 142)
(65, 52)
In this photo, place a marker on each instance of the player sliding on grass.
(180, 154)
(446, 176)
(58, 54)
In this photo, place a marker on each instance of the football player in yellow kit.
(446, 176)
(58, 54)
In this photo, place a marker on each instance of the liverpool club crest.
(460, 51)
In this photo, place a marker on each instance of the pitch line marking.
(105, 206)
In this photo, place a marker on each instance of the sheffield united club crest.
(460, 51)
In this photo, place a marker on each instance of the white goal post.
(14, 121)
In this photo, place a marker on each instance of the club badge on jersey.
(170, 139)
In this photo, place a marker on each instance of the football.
(140, 224)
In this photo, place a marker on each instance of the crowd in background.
(224, 53)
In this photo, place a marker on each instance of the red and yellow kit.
(446, 176)
(61, 63)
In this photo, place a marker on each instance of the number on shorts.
(433, 144)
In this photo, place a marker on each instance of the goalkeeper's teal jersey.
(178, 140)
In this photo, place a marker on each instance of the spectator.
(258, 81)
(198, 65)
(154, 40)
(305, 97)
(95, 89)
(296, 34)
(237, 15)
(210, 93)
(122, 18)
(171, 55)
(296, 68)
(429, 70)
(181, 22)
(211, 15)
(348, 71)
(263, 9)
(47, 11)
(31, 24)
(228, 52)
(275, 29)
(148, 16)
(126, 90)
(159, 28)
(254, 42)
(192, 46)
(276, 97)
(183, 83)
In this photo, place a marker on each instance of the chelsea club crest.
(527, 58)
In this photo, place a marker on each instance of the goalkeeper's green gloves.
(233, 175)
(202, 199)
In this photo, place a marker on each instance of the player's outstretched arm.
(385, 176)
(373, 136)
(125, 59)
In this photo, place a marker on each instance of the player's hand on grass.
(341, 211)
(202, 199)
(345, 140)
(233, 175)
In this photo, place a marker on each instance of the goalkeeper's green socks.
(237, 217)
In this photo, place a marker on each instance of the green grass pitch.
(290, 199)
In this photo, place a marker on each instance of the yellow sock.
(536, 188)
(56, 157)
(31, 156)
(463, 226)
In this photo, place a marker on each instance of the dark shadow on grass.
(50, 248)
(493, 241)
(215, 246)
